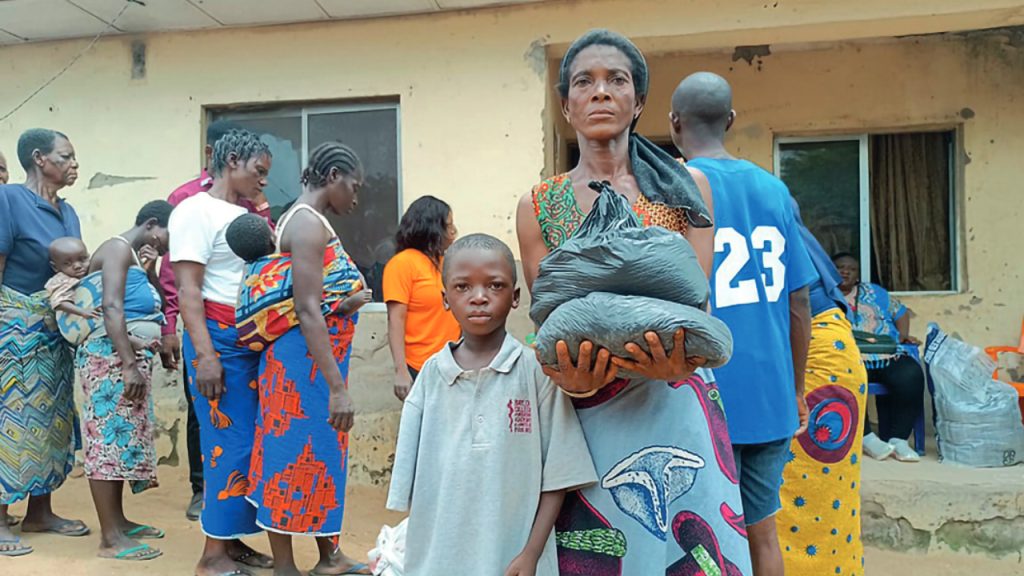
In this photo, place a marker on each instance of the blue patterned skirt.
(38, 431)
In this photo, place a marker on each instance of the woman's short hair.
(424, 227)
(159, 210)
(840, 255)
(603, 37)
(42, 139)
(218, 128)
(244, 144)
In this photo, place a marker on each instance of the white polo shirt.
(475, 451)
(197, 231)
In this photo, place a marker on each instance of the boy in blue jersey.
(759, 289)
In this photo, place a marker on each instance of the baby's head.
(69, 256)
(479, 277)
(250, 237)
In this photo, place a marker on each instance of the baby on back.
(69, 258)
(250, 237)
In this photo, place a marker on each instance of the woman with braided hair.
(299, 460)
(221, 374)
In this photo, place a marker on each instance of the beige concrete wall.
(966, 83)
(476, 127)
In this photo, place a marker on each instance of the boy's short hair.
(250, 237)
(479, 242)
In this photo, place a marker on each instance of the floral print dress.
(118, 434)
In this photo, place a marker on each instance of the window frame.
(864, 161)
(304, 111)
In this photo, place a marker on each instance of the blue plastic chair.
(876, 389)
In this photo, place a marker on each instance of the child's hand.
(96, 313)
(523, 565)
(140, 345)
(353, 303)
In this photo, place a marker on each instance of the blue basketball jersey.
(760, 258)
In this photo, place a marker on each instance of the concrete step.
(880, 562)
(946, 510)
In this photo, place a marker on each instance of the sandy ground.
(364, 515)
(164, 507)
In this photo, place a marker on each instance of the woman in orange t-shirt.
(418, 324)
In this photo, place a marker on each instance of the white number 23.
(766, 241)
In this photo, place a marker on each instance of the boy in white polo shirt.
(488, 445)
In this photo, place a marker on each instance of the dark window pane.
(824, 177)
(284, 136)
(368, 233)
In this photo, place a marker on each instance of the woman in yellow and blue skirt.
(819, 524)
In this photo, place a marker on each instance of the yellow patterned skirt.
(819, 524)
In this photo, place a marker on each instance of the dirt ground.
(364, 515)
(164, 507)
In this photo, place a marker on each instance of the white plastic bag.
(388, 558)
(978, 420)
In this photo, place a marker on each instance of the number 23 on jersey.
(767, 245)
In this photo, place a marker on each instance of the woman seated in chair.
(872, 310)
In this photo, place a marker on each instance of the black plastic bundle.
(615, 280)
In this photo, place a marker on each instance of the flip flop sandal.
(18, 550)
(238, 572)
(70, 528)
(145, 533)
(138, 553)
(255, 559)
(355, 569)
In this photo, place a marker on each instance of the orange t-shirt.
(410, 278)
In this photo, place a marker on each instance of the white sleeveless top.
(279, 234)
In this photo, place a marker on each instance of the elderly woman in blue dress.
(37, 440)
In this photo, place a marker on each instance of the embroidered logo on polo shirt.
(519, 419)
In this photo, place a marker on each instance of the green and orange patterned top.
(559, 215)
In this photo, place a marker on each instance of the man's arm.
(799, 341)
(170, 294)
